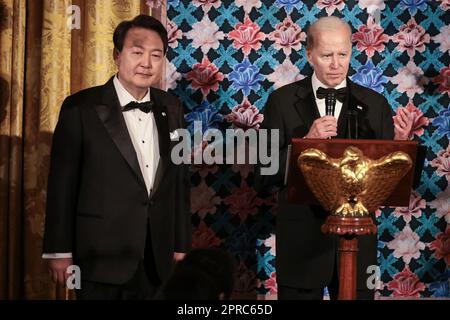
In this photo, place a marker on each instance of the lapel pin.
(163, 114)
(359, 107)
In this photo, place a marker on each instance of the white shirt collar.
(316, 83)
(124, 96)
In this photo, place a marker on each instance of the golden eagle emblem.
(354, 184)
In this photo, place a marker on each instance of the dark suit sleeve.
(183, 225)
(62, 189)
(272, 121)
(387, 123)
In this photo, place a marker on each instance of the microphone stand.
(352, 114)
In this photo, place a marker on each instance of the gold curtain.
(44, 57)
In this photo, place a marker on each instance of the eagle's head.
(352, 156)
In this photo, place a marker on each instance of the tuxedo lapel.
(110, 114)
(162, 124)
(306, 105)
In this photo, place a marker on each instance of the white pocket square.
(174, 135)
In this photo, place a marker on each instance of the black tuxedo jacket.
(97, 202)
(305, 257)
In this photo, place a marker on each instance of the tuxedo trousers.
(142, 286)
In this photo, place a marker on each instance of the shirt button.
(143, 141)
(146, 165)
(140, 119)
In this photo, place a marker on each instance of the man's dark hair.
(189, 283)
(217, 263)
(141, 21)
(204, 274)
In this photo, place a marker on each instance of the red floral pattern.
(203, 200)
(330, 5)
(406, 284)
(207, 4)
(245, 116)
(205, 76)
(441, 246)
(416, 204)
(370, 38)
(445, 4)
(174, 34)
(411, 37)
(442, 163)
(443, 79)
(243, 201)
(271, 284)
(204, 237)
(288, 36)
(247, 36)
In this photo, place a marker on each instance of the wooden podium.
(348, 228)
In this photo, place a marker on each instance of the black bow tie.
(339, 94)
(143, 106)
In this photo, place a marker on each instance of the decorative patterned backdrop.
(227, 56)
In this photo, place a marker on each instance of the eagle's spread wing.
(383, 176)
(322, 176)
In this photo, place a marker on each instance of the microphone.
(330, 103)
(331, 95)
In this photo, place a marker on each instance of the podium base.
(349, 225)
(348, 230)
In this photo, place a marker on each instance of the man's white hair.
(325, 23)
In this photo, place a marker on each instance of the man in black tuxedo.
(116, 205)
(323, 106)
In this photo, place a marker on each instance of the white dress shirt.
(144, 136)
(143, 133)
(321, 102)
